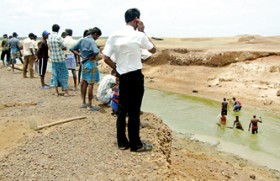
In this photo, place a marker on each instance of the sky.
(174, 18)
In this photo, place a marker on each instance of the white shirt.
(104, 90)
(35, 45)
(126, 47)
(69, 42)
(27, 45)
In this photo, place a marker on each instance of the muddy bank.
(185, 57)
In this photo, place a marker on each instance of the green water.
(198, 117)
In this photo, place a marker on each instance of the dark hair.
(15, 34)
(63, 34)
(5, 35)
(55, 28)
(69, 32)
(131, 14)
(86, 32)
(30, 35)
(95, 30)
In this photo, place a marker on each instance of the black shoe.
(145, 147)
(124, 147)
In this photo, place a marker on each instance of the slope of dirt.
(86, 149)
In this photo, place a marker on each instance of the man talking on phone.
(125, 46)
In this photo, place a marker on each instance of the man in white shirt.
(104, 90)
(70, 59)
(126, 47)
(29, 55)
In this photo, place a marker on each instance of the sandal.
(84, 106)
(93, 108)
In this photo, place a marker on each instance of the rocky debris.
(274, 69)
(198, 57)
(267, 102)
(246, 39)
(195, 91)
(278, 93)
(253, 177)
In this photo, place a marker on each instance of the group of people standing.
(237, 124)
(11, 50)
(122, 52)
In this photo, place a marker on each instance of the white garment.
(27, 45)
(126, 47)
(104, 90)
(145, 54)
(69, 42)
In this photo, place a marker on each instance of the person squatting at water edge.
(131, 79)
(236, 105)
(254, 124)
(88, 50)
(106, 88)
(59, 69)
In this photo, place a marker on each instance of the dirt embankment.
(183, 57)
(87, 150)
(79, 150)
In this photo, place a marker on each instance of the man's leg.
(56, 91)
(121, 127)
(8, 57)
(20, 60)
(74, 77)
(30, 64)
(90, 95)
(26, 61)
(3, 57)
(136, 92)
(84, 86)
(40, 71)
(13, 60)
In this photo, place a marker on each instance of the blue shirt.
(14, 43)
(87, 47)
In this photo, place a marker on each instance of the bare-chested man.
(254, 124)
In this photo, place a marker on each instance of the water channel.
(198, 117)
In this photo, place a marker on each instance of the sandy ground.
(86, 149)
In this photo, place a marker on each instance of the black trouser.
(224, 112)
(7, 54)
(131, 91)
(43, 64)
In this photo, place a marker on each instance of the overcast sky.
(173, 18)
